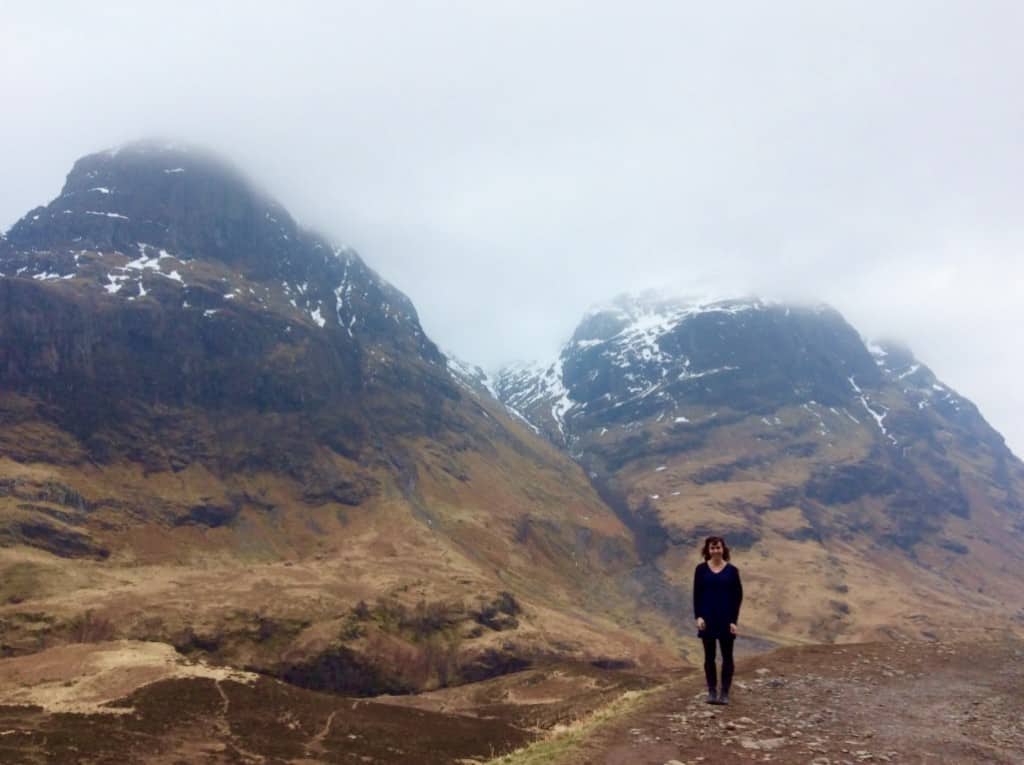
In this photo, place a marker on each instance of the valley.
(250, 512)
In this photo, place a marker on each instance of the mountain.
(221, 431)
(863, 496)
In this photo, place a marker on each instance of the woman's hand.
(700, 623)
(733, 630)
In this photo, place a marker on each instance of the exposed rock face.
(778, 426)
(160, 279)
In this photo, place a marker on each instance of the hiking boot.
(723, 699)
(712, 696)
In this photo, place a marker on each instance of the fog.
(508, 165)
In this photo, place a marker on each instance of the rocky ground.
(898, 702)
(136, 702)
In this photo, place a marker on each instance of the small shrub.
(500, 614)
(351, 630)
(426, 619)
(90, 628)
(840, 606)
(430, 663)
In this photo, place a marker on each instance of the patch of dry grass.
(562, 740)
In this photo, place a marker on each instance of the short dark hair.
(707, 544)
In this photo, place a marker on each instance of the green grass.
(562, 740)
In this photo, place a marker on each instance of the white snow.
(910, 371)
(339, 301)
(175, 170)
(107, 214)
(563, 403)
(115, 283)
(463, 371)
(144, 262)
(879, 418)
(822, 428)
(660, 468)
(876, 350)
(101, 189)
(320, 320)
(681, 419)
(686, 374)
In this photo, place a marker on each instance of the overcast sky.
(508, 164)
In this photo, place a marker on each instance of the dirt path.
(829, 705)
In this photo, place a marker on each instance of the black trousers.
(709, 661)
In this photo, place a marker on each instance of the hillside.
(863, 498)
(220, 431)
(238, 482)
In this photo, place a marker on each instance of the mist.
(510, 165)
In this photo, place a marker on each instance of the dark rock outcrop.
(163, 310)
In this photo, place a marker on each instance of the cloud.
(510, 164)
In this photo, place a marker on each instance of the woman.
(717, 595)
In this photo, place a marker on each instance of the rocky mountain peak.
(652, 355)
(171, 224)
(760, 391)
(171, 197)
(162, 273)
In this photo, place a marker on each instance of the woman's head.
(713, 545)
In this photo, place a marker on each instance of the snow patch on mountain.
(879, 417)
(468, 375)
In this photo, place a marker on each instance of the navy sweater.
(717, 599)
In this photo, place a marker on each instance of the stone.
(762, 743)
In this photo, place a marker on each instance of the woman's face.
(715, 549)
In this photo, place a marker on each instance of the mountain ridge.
(193, 381)
(779, 426)
(197, 390)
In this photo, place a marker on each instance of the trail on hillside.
(835, 705)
